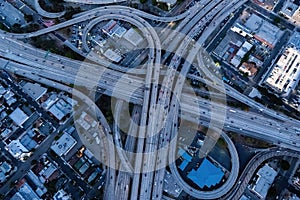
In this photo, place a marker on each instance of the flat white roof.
(241, 53)
(285, 74)
(64, 144)
(289, 8)
(266, 177)
(254, 22)
(58, 114)
(35, 90)
(61, 195)
(295, 40)
(171, 2)
(16, 149)
(133, 37)
(113, 56)
(263, 29)
(18, 116)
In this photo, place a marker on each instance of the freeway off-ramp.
(31, 63)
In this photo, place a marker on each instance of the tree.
(285, 165)
(71, 11)
(12, 184)
(17, 28)
(28, 18)
(272, 192)
(3, 27)
(276, 20)
(34, 162)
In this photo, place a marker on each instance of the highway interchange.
(158, 107)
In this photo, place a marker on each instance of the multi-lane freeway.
(158, 115)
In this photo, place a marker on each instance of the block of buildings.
(35, 90)
(133, 37)
(245, 48)
(284, 76)
(266, 176)
(17, 150)
(263, 31)
(64, 144)
(112, 55)
(290, 8)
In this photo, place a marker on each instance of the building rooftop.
(254, 23)
(170, 2)
(2, 90)
(27, 140)
(108, 26)
(249, 68)
(133, 37)
(49, 171)
(263, 30)
(120, 31)
(295, 40)
(37, 182)
(16, 149)
(243, 50)
(50, 101)
(18, 116)
(61, 195)
(5, 167)
(289, 8)
(112, 55)
(266, 176)
(35, 90)
(60, 109)
(10, 15)
(64, 144)
(84, 168)
(206, 175)
(25, 193)
(187, 159)
(284, 76)
(56, 112)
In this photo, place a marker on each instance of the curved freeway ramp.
(237, 191)
(100, 2)
(45, 13)
(209, 194)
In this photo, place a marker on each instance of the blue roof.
(187, 157)
(183, 165)
(181, 152)
(231, 50)
(206, 175)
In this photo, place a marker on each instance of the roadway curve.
(94, 13)
(218, 124)
(123, 180)
(48, 70)
(127, 167)
(105, 150)
(251, 168)
(45, 13)
(208, 194)
(143, 26)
